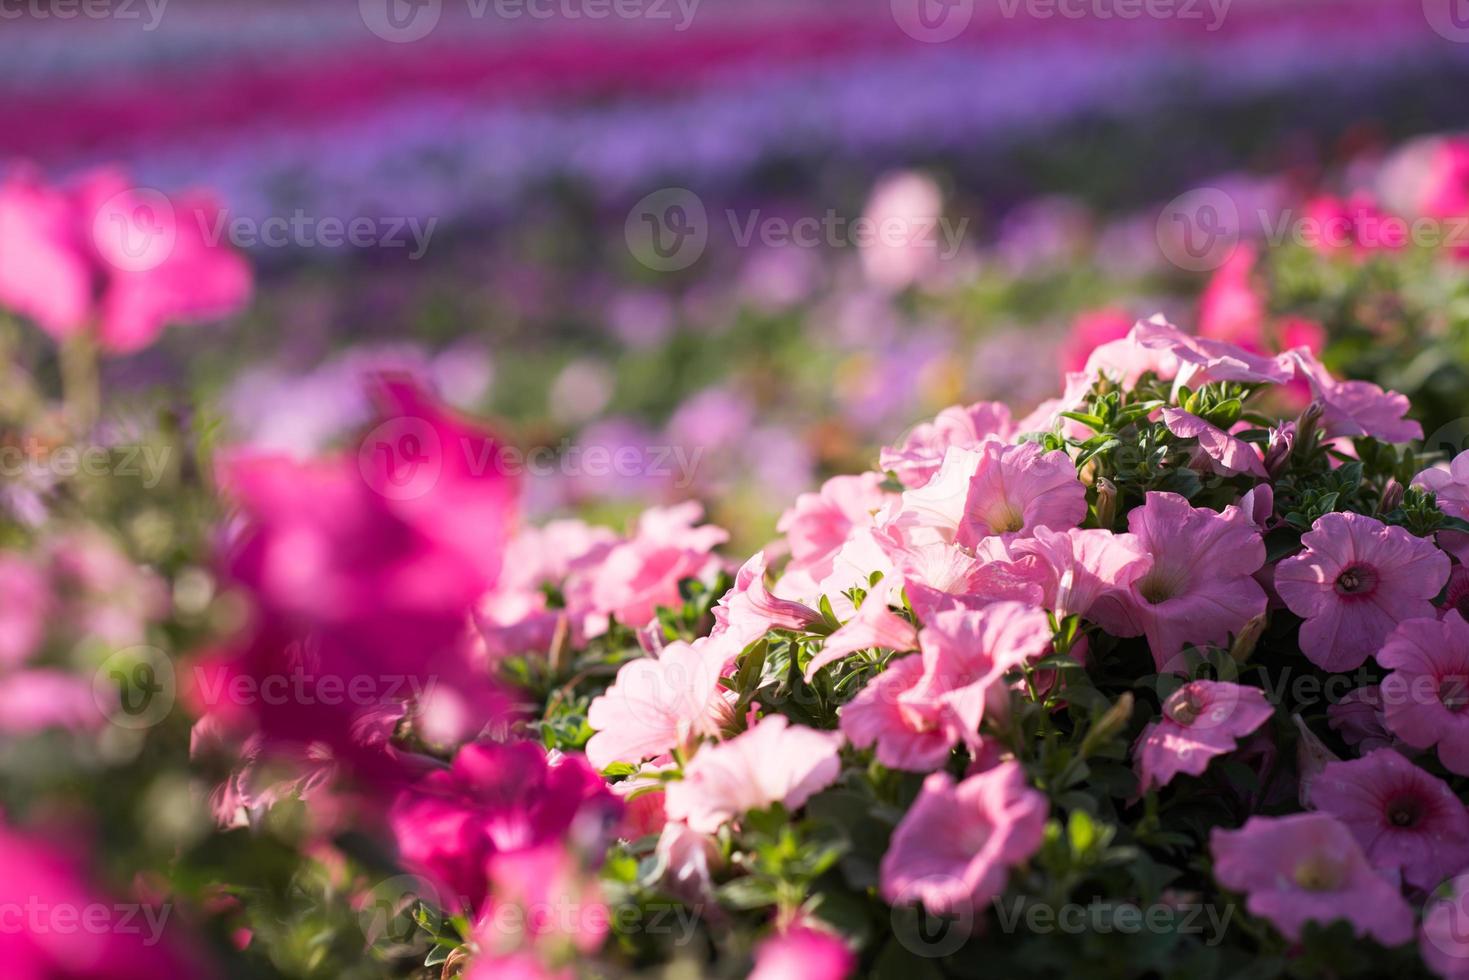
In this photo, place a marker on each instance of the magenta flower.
(1199, 587)
(1201, 720)
(1355, 408)
(118, 261)
(1355, 581)
(1228, 454)
(657, 705)
(748, 610)
(1308, 867)
(954, 848)
(1405, 819)
(364, 570)
(51, 930)
(803, 953)
(773, 762)
(902, 718)
(919, 457)
(495, 798)
(1425, 695)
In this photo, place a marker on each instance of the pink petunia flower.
(748, 610)
(1449, 484)
(1082, 564)
(803, 953)
(1229, 455)
(902, 718)
(941, 574)
(773, 762)
(818, 524)
(1354, 408)
(1201, 720)
(1307, 867)
(643, 573)
(656, 705)
(997, 489)
(968, 652)
(1199, 587)
(955, 846)
(873, 626)
(1355, 581)
(1203, 360)
(1405, 819)
(962, 427)
(119, 261)
(1425, 694)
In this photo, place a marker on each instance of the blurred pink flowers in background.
(120, 261)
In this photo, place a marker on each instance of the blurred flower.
(803, 953)
(1307, 868)
(105, 256)
(955, 846)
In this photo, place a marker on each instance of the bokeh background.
(507, 165)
